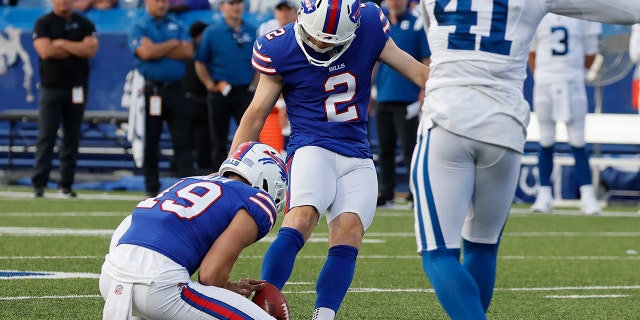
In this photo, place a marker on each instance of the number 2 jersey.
(327, 106)
(479, 52)
(183, 222)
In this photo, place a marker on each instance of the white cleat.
(544, 201)
(588, 203)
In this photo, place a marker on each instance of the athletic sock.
(280, 256)
(545, 165)
(336, 276)
(480, 261)
(582, 168)
(455, 288)
(323, 314)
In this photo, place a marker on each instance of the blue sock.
(336, 276)
(545, 165)
(280, 256)
(582, 168)
(480, 261)
(455, 288)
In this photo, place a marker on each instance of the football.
(271, 300)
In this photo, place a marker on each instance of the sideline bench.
(600, 129)
(93, 121)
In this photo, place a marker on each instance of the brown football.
(271, 300)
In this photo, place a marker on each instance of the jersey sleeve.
(384, 22)
(136, 33)
(263, 210)
(260, 59)
(203, 50)
(40, 30)
(89, 28)
(591, 34)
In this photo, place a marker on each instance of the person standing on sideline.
(64, 41)
(398, 101)
(200, 223)
(322, 65)
(160, 45)
(466, 165)
(276, 128)
(223, 64)
(562, 49)
(196, 94)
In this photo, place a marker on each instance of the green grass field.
(559, 266)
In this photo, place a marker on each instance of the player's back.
(480, 42)
(183, 222)
(327, 106)
(561, 44)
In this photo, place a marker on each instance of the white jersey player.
(562, 49)
(467, 161)
(199, 223)
(322, 65)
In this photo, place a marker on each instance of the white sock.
(323, 314)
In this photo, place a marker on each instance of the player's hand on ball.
(246, 286)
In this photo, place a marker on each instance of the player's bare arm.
(183, 51)
(148, 50)
(217, 264)
(85, 49)
(205, 76)
(404, 63)
(267, 93)
(46, 49)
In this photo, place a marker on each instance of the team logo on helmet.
(275, 160)
(309, 6)
(354, 12)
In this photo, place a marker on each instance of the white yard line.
(397, 290)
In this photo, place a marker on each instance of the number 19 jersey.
(183, 221)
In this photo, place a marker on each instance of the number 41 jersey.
(479, 52)
(327, 106)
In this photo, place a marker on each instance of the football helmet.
(261, 166)
(330, 21)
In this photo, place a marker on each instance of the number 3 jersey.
(183, 222)
(479, 56)
(327, 106)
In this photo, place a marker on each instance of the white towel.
(133, 98)
(118, 305)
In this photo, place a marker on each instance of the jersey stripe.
(261, 203)
(262, 62)
(386, 26)
(211, 306)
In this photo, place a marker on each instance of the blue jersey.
(183, 222)
(327, 106)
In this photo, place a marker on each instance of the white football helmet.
(262, 166)
(331, 21)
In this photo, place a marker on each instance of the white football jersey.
(560, 44)
(479, 57)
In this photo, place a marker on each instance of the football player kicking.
(322, 64)
(466, 164)
(199, 223)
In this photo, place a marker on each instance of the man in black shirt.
(197, 97)
(64, 41)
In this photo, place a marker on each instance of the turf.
(553, 266)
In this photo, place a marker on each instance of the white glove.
(412, 110)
